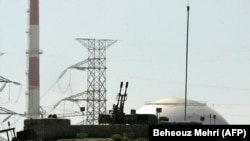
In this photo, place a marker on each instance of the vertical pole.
(210, 116)
(185, 114)
(33, 110)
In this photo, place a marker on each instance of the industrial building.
(167, 110)
(172, 109)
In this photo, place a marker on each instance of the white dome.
(173, 109)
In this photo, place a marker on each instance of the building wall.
(48, 129)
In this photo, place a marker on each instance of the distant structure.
(3, 110)
(33, 53)
(172, 109)
(5, 81)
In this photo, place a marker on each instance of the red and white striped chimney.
(33, 52)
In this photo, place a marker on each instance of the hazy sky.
(149, 54)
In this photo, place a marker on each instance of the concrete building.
(173, 109)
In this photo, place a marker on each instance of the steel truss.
(95, 65)
(96, 77)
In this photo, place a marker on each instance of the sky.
(149, 53)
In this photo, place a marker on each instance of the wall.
(50, 128)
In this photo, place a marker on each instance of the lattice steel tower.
(96, 77)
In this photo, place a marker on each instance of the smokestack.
(33, 109)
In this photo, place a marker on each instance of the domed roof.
(174, 109)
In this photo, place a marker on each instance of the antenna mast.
(185, 114)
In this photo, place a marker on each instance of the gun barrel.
(121, 87)
(126, 89)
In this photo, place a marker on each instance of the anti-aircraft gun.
(118, 115)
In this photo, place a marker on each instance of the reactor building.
(172, 110)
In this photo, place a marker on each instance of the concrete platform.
(55, 129)
(87, 139)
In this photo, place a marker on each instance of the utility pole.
(185, 114)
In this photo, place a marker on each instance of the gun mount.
(118, 115)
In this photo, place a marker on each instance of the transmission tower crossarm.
(71, 98)
(5, 80)
(7, 111)
(57, 104)
(91, 43)
(79, 64)
(1, 89)
(75, 96)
